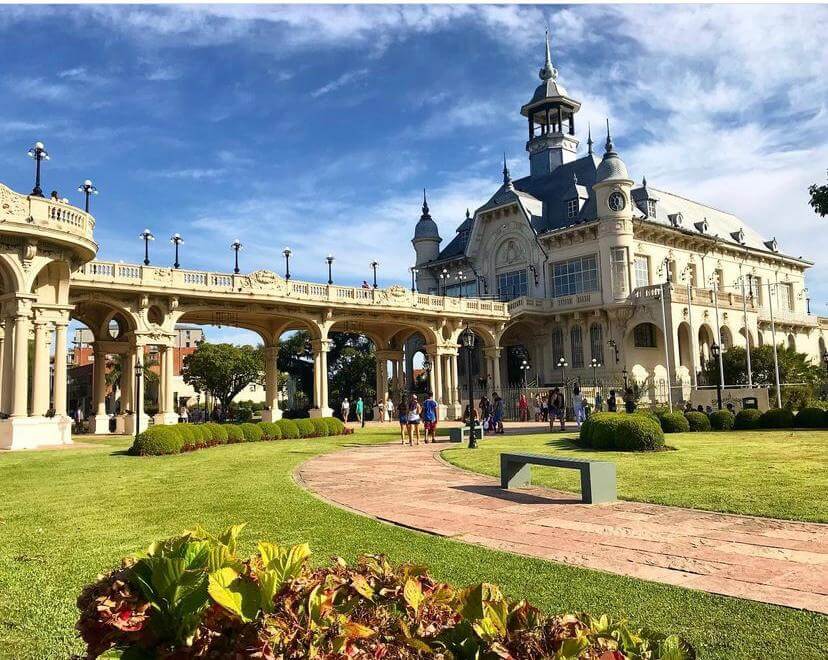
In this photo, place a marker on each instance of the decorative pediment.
(510, 252)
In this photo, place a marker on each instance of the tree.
(223, 369)
(819, 199)
(352, 367)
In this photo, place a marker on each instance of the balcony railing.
(539, 305)
(27, 210)
(266, 283)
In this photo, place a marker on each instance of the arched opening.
(596, 342)
(792, 342)
(747, 334)
(727, 338)
(822, 349)
(644, 348)
(705, 342)
(685, 346)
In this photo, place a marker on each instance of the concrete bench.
(461, 433)
(597, 477)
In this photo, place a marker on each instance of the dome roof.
(426, 227)
(611, 167)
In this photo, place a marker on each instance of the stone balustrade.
(28, 211)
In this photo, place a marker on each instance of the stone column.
(7, 375)
(59, 385)
(437, 381)
(20, 372)
(141, 385)
(381, 383)
(167, 413)
(271, 412)
(320, 379)
(2, 362)
(100, 423)
(455, 392)
(40, 370)
(493, 355)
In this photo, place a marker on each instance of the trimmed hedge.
(721, 420)
(811, 418)
(175, 438)
(271, 430)
(234, 434)
(289, 429)
(252, 433)
(157, 440)
(622, 432)
(747, 419)
(674, 422)
(776, 418)
(697, 421)
(306, 429)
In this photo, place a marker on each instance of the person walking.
(612, 403)
(414, 411)
(78, 420)
(402, 413)
(389, 409)
(629, 400)
(484, 407)
(578, 405)
(345, 409)
(560, 409)
(430, 418)
(599, 402)
(523, 408)
(360, 412)
(497, 413)
(381, 410)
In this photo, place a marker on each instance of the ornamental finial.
(425, 205)
(589, 138)
(507, 179)
(548, 71)
(609, 145)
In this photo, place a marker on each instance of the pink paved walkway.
(774, 561)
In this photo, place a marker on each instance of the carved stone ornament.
(266, 279)
(395, 291)
(163, 275)
(12, 205)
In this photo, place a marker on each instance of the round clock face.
(616, 201)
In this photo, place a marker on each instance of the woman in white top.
(578, 405)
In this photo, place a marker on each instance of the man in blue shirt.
(430, 418)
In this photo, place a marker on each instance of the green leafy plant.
(289, 429)
(271, 430)
(622, 432)
(747, 419)
(157, 440)
(192, 596)
(674, 422)
(252, 433)
(721, 420)
(320, 427)
(306, 428)
(234, 434)
(811, 418)
(697, 421)
(777, 418)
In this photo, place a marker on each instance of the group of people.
(359, 410)
(488, 414)
(411, 413)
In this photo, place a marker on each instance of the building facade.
(595, 266)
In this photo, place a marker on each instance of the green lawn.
(779, 474)
(67, 515)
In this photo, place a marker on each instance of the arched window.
(596, 342)
(791, 342)
(644, 336)
(577, 345)
(557, 344)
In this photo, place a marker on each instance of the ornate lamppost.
(198, 403)
(460, 283)
(87, 189)
(524, 370)
(330, 259)
(467, 338)
(594, 364)
(444, 279)
(624, 374)
(176, 240)
(716, 352)
(287, 252)
(147, 236)
(413, 275)
(373, 266)
(38, 153)
(139, 371)
(236, 246)
(562, 365)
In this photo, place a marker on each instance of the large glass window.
(512, 284)
(645, 335)
(557, 344)
(572, 209)
(642, 270)
(596, 342)
(619, 271)
(575, 276)
(577, 342)
(469, 289)
(785, 298)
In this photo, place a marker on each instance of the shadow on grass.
(513, 496)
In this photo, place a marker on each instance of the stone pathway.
(774, 561)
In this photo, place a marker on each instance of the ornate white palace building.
(582, 254)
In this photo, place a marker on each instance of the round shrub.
(335, 426)
(289, 429)
(158, 440)
(306, 429)
(252, 433)
(674, 422)
(697, 421)
(721, 420)
(234, 434)
(320, 427)
(270, 431)
(217, 432)
(747, 419)
(811, 418)
(776, 418)
(622, 432)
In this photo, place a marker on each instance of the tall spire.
(644, 181)
(507, 179)
(609, 145)
(425, 207)
(548, 71)
(589, 139)
(468, 215)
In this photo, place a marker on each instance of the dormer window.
(676, 219)
(702, 226)
(738, 236)
(572, 209)
(772, 245)
(651, 211)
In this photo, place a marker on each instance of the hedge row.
(747, 419)
(177, 438)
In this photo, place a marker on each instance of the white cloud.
(194, 173)
(341, 81)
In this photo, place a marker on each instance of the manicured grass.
(67, 515)
(777, 474)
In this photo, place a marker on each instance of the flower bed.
(192, 596)
(177, 438)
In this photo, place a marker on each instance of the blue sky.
(318, 126)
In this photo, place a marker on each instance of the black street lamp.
(467, 338)
(374, 265)
(87, 189)
(287, 252)
(715, 351)
(198, 404)
(139, 371)
(38, 153)
(236, 246)
(176, 240)
(444, 279)
(624, 374)
(330, 261)
(413, 275)
(147, 236)
(524, 369)
(460, 280)
(594, 364)
(562, 365)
